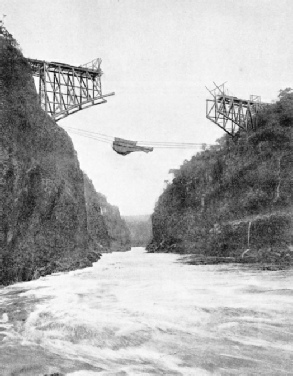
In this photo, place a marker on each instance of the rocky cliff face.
(235, 199)
(43, 213)
(107, 231)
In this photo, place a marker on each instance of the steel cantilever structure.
(231, 113)
(65, 89)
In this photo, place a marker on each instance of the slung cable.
(101, 137)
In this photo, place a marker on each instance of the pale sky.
(158, 55)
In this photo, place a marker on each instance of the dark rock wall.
(43, 225)
(117, 230)
(96, 227)
(108, 232)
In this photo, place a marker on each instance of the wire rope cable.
(101, 137)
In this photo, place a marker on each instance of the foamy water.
(135, 313)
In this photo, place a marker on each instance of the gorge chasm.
(231, 202)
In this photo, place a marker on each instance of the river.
(136, 313)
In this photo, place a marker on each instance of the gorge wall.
(234, 199)
(46, 225)
(107, 230)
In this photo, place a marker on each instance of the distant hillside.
(140, 227)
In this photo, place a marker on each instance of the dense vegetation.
(235, 196)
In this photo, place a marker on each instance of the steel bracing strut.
(231, 113)
(65, 89)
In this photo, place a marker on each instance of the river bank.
(250, 262)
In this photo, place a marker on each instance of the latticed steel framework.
(231, 113)
(65, 89)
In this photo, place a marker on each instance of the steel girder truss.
(65, 89)
(231, 113)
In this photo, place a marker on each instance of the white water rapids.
(135, 313)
